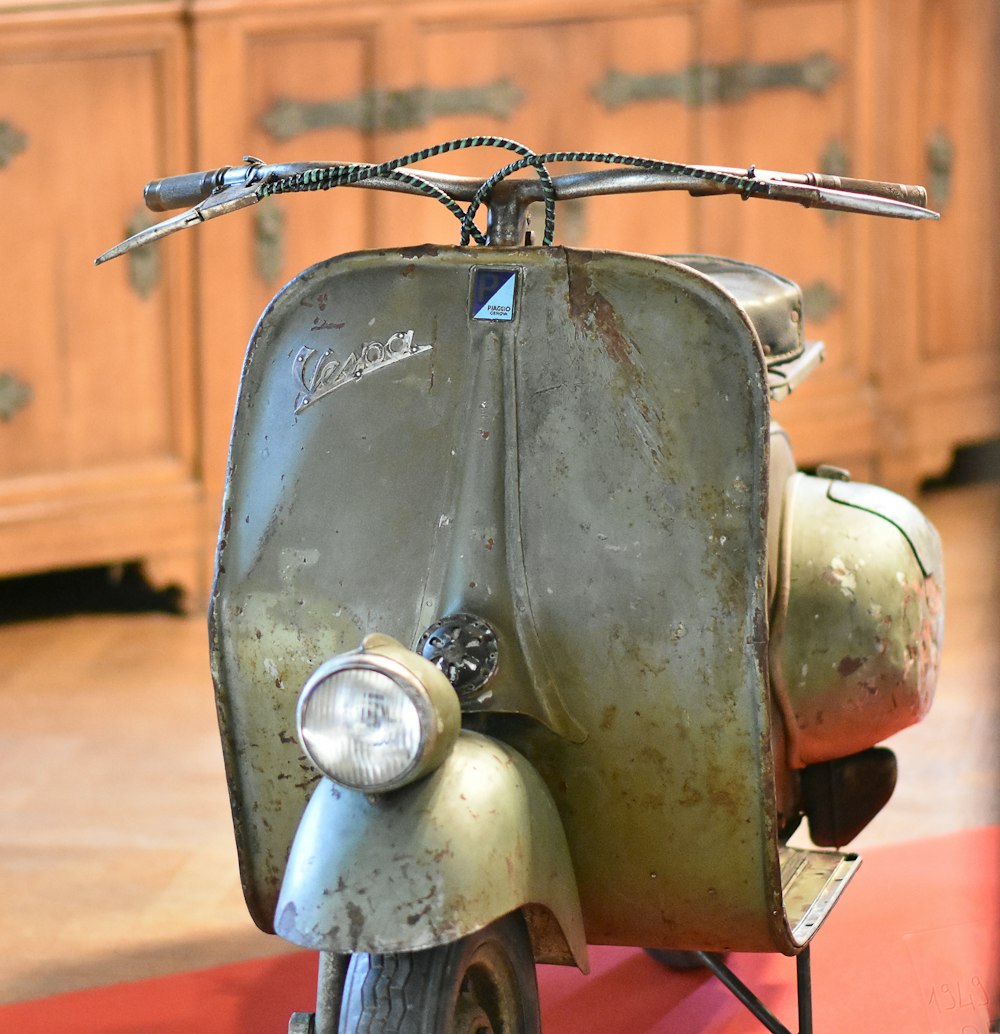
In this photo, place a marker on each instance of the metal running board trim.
(811, 883)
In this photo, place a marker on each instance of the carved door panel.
(328, 81)
(96, 365)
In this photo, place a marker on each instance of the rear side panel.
(856, 639)
(573, 447)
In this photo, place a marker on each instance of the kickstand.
(755, 1005)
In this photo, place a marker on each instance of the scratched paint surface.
(857, 635)
(588, 477)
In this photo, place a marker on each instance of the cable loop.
(328, 177)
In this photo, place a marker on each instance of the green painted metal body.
(477, 839)
(591, 477)
(858, 623)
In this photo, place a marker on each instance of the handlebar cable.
(326, 178)
(747, 185)
(329, 177)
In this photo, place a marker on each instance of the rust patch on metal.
(590, 311)
(618, 347)
(357, 918)
(849, 665)
(420, 251)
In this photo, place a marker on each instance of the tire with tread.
(484, 982)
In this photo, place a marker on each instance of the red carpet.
(913, 948)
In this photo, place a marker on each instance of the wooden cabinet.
(940, 375)
(98, 101)
(98, 420)
(374, 81)
(893, 89)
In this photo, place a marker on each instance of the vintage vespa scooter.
(527, 633)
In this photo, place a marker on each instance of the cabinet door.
(96, 428)
(550, 78)
(333, 82)
(943, 125)
(785, 84)
(283, 85)
(803, 100)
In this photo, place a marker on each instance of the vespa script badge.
(331, 372)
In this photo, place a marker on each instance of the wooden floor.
(116, 852)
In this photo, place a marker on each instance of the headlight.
(378, 718)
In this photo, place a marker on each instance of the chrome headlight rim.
(437, 714)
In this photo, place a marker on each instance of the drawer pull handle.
(389, 111)
(698, 84)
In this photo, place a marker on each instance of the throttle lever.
(191, 188)
(164, 195)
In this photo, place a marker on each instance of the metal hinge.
(389, 111)
(717, 84)
(940, 160)
(12, 142)
(14, 395)
(145, 266)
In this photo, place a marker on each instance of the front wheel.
(483, 984)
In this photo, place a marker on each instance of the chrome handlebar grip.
(164, 195)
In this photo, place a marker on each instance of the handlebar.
(191, 188)
(215, 192)
(906, 193)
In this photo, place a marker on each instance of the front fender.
(434, 861)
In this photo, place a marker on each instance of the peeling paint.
(837, 574)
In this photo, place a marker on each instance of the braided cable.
(747, 185)
(328, 177)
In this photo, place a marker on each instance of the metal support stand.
(329, 994)
(755, 1005)
(330, 991)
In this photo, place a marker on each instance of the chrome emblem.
(329, 372)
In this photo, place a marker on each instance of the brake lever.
(836, 200)
(815, 190)
(225, 200)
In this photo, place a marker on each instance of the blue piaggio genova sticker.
(493, 293)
